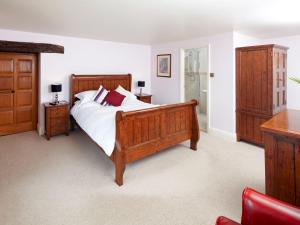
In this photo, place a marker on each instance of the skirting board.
(222, 134)
(40, 129)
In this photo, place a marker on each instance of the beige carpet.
(68, 181)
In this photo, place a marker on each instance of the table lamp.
(141, 84)
(55, 88)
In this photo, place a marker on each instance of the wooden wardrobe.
(18, 92)
(261, 77)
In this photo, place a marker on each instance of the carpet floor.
(68, 181)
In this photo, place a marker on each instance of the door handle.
(7, 91)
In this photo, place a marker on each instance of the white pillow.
(101, 95)
(86, 96)
(122, 91)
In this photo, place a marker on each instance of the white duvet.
(99, 121)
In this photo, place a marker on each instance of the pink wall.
(84, 56)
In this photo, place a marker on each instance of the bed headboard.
(81, 83)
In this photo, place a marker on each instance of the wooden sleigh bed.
(142, 132)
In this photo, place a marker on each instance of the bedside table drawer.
(58, 112)
(58, 122)
(56, 119)
(58, 125)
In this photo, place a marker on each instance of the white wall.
(167, 90)
(84, 56)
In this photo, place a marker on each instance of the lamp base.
(141, 91)
(55, 102)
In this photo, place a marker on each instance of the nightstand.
(57, 119)
(144, 97)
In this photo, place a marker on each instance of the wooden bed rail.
(144, 132)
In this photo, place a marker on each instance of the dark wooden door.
(253, 82)
(18, 93)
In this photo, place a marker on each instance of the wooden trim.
(262, 47)
(141, 133)
(30, 47)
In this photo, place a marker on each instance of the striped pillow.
(101, 95)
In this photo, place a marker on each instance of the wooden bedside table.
(57, 119)
(144, 97)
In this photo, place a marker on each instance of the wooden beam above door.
(30, 47)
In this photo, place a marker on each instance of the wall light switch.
(212, 74)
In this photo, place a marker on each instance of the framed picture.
(164, 65)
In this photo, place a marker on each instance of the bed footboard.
(144, 132)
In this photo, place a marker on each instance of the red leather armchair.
(259, 209)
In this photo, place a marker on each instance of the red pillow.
(114, 98)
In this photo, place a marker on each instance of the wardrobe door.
(18, 97)
(279, 79)
(253, 81)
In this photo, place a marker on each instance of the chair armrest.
(225, 221)
(262, 209)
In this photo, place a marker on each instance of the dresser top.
(143, 95)
(286, 123)
(61, 103)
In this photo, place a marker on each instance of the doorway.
(194, 81)
(18, 92)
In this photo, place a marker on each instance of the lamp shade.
(56, 87)
(141, 83)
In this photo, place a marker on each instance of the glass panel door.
(196, 81)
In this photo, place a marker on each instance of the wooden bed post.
(195, 127)
(120, 163)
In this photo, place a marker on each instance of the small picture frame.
(164, 65)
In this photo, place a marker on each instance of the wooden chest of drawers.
(57, 119)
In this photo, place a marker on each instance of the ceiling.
(151, 21)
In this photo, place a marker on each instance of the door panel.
(6, 64)
(279, 80)
(23, 98)
(23, 115)
(18, 97)
(6, 83)
(249, 127)
(25, 66)
(24, 82)
(253, 79)
(6, 100)
(285, 171)
(6, 117)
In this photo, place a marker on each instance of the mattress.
(99, 121)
